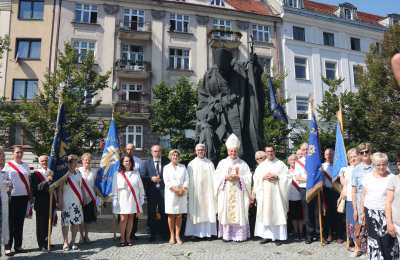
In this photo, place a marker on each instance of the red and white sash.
(88, 191)
(40, 176)
(22, 177)
(75, 189)
(294, 182)
(301, 164)
(132, 190)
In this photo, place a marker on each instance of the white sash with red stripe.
(88, 190)
(40, 176)
(75, 189)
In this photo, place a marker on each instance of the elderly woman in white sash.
(233, 183)
(5, 187)
(71, 201)
(128, 197)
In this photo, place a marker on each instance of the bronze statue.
(231, 100)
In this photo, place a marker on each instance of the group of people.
(230, 201)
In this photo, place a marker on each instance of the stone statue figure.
(231, 100)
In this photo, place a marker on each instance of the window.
(299, 34)
(329, 39)
(83, 48)
(261, 33)
(330, 70)
(265, 63)
(134, 135)
(24, 89)
(132, 54)
(222, 25)
(300, 67)
(179, 23)
(355, 44)
(357, 73)
(28, 49)
(134, 19)
(217, 2)
(85, 13)
(132, 92)
(30, 9)
(179, 59)
(293, 3)
(347, 14)
(302, 107)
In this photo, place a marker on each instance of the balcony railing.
(134, 31)
(136, 107)
(224, 38)
(133, 69)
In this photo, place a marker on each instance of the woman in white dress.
(70, 201)
(5, 188)
(128, 197)
(176, 181)
(89, 196)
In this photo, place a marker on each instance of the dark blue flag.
(109, 163)
(58, 156)
(313, 162)
(276, 109)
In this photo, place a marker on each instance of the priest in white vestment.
(201, 221)
(233, 184)
(271, 186)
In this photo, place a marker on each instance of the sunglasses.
(261, 158)
(364, 152)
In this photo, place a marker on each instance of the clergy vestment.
(272, 200)
(201, 221)
(233, 199)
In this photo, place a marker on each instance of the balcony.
(134, 31)
(133, 109)
(224, 39)
(133, 69)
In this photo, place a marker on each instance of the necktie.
(158, 167)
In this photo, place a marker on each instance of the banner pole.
(321, 229)
(50, 221)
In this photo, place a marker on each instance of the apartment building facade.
(323, 40)
(5, 16)
(145, 42)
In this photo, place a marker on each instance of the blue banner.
(276, 109)
(340, 158)
(58, 156)
(313, 162)
(109, 163)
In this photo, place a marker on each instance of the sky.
(378, 7)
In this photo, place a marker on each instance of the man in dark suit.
(154, 183)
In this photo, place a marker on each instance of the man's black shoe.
(308, 241)
(265, 241)
(278, 243)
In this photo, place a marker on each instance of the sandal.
(74, 247)
(122, 244)
(65, 247)
(129, 243)
(8, 253)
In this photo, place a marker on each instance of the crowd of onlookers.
(360, 208)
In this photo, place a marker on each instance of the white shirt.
(376, 187)
(157, 160)
(19, 188)
(346, 172)
(300, 171)
(327, 167)
(294, 194)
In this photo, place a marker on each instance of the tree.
(80, 82)
(174, 112)
(4, 45)
(371, 114)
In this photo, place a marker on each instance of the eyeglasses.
(260, 158)
(364, 152)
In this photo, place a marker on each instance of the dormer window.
(217, 2)
(347, 14)
(294, 3)
(347, 11)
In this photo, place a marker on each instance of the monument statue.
(231, 99)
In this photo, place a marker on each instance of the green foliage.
(79, 82)
(4, 45)
(174, 112)
(371, 114)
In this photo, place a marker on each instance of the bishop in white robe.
(271, 186)
(233, 184)
(201, 221)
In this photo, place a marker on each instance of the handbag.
(341, 204)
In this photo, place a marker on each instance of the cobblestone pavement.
(104, 247)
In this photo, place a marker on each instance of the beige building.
(5, 14)
(145, 42)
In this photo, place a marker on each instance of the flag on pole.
(109, 163)
(58, 164)
(276, 109)
(339, 159)
(313, 162)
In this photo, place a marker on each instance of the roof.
(331, 9)
(251, 6)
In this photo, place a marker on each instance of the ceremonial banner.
(109, 163)
(277, 110)
(313, 162)
(58, 164)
